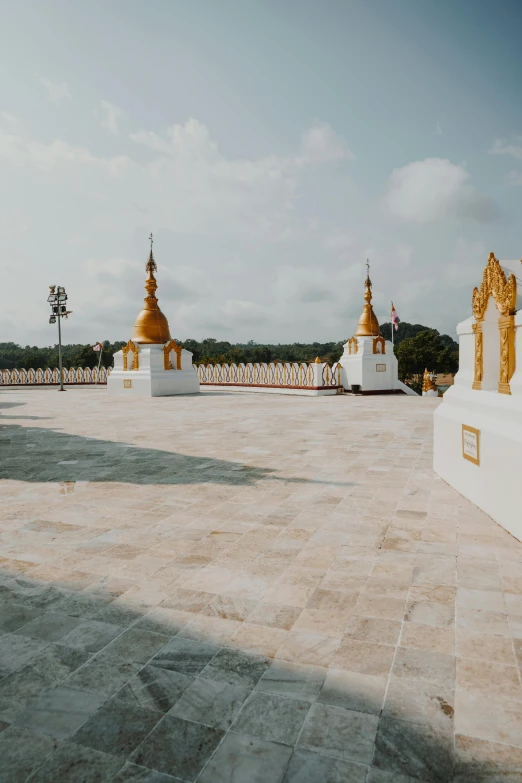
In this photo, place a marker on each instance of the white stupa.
(368, 360)
(152, 364)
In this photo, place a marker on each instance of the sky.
(270, 146)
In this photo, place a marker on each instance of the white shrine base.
(151, 379)
(375, 373)
(495, 485)
(269, 389)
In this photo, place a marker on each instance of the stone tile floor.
(248, 589)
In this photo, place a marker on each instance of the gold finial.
(151, 266)
(368, 284)
(318, 360)
(368, 325)
(427, 382)
(151, 325)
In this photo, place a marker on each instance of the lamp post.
(57, 299)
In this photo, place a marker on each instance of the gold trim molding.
(479, 357)
(379, 341)
(353, 346)
(506, 325)
(494, 283)
(135, 359)
(171, 346)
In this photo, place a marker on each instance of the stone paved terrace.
(248, 589)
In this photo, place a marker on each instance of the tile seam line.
(165, 715)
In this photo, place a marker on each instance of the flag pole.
(393, 353)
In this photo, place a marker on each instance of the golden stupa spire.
(368, 325)
(151, 325)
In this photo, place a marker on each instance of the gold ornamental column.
(506, 325)
(479, 361)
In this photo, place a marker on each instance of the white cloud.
(515, 177)
(244, 312)
(465, 268)
(246, 247)
(10, 119)
(21, 151)
(57, 91)
(321, 144)
(110, 117)
(513, 148)
(434, 189)
(338, 241)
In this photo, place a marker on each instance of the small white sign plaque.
(380, 367)
(471, 444)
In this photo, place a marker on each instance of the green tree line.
(13, 356)
(416, 346)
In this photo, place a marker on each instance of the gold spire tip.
(151, 325)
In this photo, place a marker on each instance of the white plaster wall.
(495, 486)
(516, 380)
(151, 379)
(360, 368)
(270, 390)
(491, 348)
(466, 372)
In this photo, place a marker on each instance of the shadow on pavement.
(96, 685)
(47, 455)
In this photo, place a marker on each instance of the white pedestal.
(494, 485)
(151, 379)
(375, 373)
(430, 393)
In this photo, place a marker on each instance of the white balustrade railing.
(291, 375)
(48, 377)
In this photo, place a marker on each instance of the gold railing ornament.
(172, 346)
(504, 291)
(135, 360)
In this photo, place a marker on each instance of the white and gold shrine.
(152, 364)
(478, 426)
(368, 360)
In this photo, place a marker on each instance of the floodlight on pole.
(57, 299)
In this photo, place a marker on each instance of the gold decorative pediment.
(172, 346)
(353, 346)
(135, 360)
(379, 345)
(494, 283)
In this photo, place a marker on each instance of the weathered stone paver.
(236, 587)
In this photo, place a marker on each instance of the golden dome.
(368, 325)
(151, 325)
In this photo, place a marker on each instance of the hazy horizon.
(271, 147)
